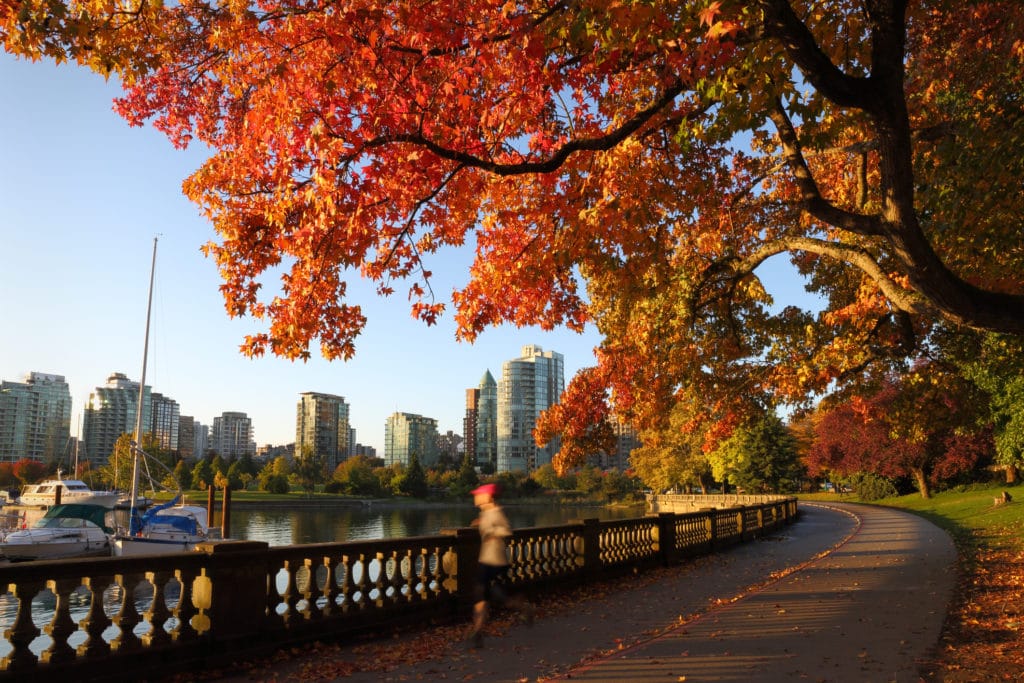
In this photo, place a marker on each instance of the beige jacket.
(494, 529)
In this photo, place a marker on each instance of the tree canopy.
(629, 164)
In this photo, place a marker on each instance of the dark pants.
(490, 583)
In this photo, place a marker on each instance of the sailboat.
(167, 528)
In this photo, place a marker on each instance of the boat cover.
(97, 514)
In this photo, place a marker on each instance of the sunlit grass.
(967, 513)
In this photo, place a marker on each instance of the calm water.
(292, 526)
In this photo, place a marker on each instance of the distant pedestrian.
(492, 574)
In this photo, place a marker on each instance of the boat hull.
(143, 545)
(22, 546)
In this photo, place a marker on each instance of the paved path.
(849, 593)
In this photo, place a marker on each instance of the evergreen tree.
(183, 475)
(414, 483)
(467, 478)
(202, 475)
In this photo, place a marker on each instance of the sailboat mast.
(137, 444)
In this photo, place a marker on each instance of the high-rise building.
(485, 446)
(201, 444)
(109, 414)
(470, 420)
(529, 384)
(406, 434)
(186, 437)
(35, 418)
(231, 436)
(164, 424)
(626, 440)
(450, 448)
(322, 427)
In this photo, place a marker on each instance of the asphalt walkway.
(849, 593)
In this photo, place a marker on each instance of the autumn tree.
(356, 476)
(547, 478)
(183, 475)
(626, 164)
(273, 478)
(310, 469)
(922, 425)
(672, 454)
(759, 457)
(28, 471)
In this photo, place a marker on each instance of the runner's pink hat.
(488, 489)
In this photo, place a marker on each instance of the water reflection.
(337, 525)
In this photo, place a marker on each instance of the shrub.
(872, 487)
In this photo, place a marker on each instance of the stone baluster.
(346, 586)
(291, 595)
(379, 583)
(330, 590)
(312, 591)
(185, 610)
(23, 631)
(128, 617)
(62, 625)
(96, 621)
(158, 614)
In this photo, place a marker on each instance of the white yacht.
(59, 490)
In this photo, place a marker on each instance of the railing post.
(231, 594)
(466, 543)
(712, 527)
(590, 552)
(667, 538)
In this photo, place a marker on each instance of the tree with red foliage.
(922, 425)
(29, 471)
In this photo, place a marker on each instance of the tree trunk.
(1011, 474)
(922, 482)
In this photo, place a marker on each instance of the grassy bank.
(985, 628)
(968, 514)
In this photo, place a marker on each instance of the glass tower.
(486, 445)
(111, 413)
(406, 434)
(322, 426)
(529, 384)
(35, 418)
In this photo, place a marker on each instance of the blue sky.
(83, 195)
